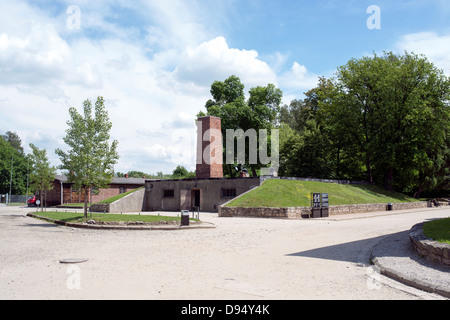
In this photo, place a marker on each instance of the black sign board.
(320, 205)
(325, 202)
(316, 201)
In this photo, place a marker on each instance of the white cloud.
(434, 46)
(298, 79)
(39, 56)
(152, 99)
(215, 60)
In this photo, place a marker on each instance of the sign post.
(320, 205)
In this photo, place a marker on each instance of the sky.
(154, 61)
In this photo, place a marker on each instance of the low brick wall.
(374, 207)
(303, 212)
(291, 213)
(432, 250)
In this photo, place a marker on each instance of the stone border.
(164, 227)
(433, 251)
(304, 212)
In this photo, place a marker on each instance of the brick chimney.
(209, 148)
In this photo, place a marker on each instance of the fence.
(6, 199)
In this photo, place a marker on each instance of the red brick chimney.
(209, 148)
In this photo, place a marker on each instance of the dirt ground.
(240, 259)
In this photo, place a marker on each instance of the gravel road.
(240, 259)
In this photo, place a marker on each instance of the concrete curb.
(203, 225)
(395, 259)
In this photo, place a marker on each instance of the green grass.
(118, 197)
(438, 230)
(291, 193)
(76, 205)
(74, 217)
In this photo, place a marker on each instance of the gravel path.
(240, 259)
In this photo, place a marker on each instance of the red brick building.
(64, 193)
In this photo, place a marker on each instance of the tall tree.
(260, 111)
(180, 172)
(12, 158)
(394, 111)
(14, 140)
(90, 159)
(41, 173)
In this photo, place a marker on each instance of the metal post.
(28, 169)
(10, 184)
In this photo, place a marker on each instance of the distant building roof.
(129, 181)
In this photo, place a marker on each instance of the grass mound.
(292, 193)
(438, 230)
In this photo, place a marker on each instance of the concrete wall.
(183, 193)
(133, 202)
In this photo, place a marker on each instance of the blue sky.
(154, 61)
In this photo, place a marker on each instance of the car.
(32, 201)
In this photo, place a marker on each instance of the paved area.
(394, 257)
(240, 259)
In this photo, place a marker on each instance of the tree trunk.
(41, 204)
(85, 202)
(369, 170)
(389, 179)
(418, 192)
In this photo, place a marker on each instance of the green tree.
(14, 140)
(42, 174)
(90, 159)
(12, 157)
(309, 149)
(180, 172)
(260, 111)
(392, 112)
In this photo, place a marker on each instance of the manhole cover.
(73, 260)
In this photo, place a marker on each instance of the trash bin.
(185, 218)
(390, 206)
(325, 213)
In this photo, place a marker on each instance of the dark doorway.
(195, 198)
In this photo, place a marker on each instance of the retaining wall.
(304, 212)
(432, 250)
(133, 202)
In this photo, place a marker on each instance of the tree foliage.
(89, 162)
(11, 155)
(260, 111)
(383, 118)
(42, 174)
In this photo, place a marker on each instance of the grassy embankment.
(292, 193)
(439, 230)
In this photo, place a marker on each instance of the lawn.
(292, 193)
(438, 230)
(74, 217)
